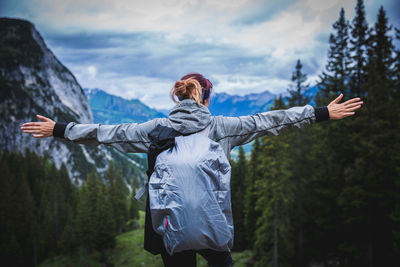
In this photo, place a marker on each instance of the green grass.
(129, 252)
(129, 249)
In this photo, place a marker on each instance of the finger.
(32, 131)
(38, 135)
(351, 101)
(353, 108)
(32, 123)
(42, 118)
(30, 127)
(338, 99)
(354, 104)
(346, 114)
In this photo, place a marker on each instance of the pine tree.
(133, 212)
(44, 214)
(6, 192)
(300, 142)
(297, 97)
(380, 154)
(9, 246)
(397, 76)
(83, 230)
(118, 197)
(335, 78)
(106, 223)
(359, 39)
(88, 224)
(238, 190)
(275, 196)
(67, 241)
(57, 207)
(395, 216)
(15, 252)
(275, 199)
(254, 174)
(23, 215)
(278, 103)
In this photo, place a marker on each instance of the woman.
(191, 115)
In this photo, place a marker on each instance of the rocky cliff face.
(33, 81)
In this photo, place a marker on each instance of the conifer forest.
(329, 194)
(324, 195)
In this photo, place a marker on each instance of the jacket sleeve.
(242, 130)
(127, 137)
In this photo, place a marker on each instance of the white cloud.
(151, 90)
(92, 72)
(211, 19)
(240, 84)
(249, 46)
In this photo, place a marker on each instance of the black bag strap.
(161, 138)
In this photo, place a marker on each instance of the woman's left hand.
(339, 111)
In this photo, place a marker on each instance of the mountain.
(235, 105)
(111, 109)
(312, 92)
(164, 111)
(33, 81)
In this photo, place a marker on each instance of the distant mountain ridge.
(111, 109)
(235, 105)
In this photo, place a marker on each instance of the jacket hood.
(186, 117)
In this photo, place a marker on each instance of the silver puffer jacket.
(186, 118)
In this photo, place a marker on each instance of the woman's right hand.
(39, 129)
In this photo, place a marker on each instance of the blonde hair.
(189, 88)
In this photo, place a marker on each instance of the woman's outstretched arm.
(126, 137)
(244, 129)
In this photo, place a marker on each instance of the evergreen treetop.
(296, 90)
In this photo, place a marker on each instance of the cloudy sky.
(137, 49)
